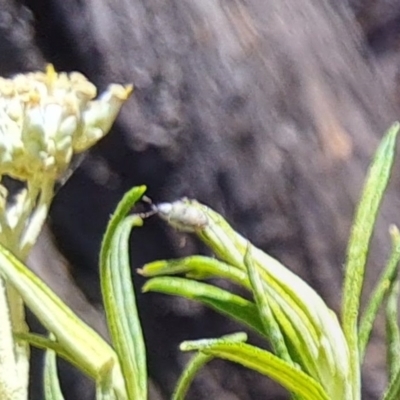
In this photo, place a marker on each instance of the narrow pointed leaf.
(119, 296)
(122, 315)
(380, 291)
(393, 391)
(122, 210)
(316, 338)
(264, 362)
(103, 378)
(189, 345)
(84, 345)
(201, 267)
(44, 343)
(199, 360)
(51, 384)
(189, 373)
(196, 267)
(216, 298)
(392, 331)
(261, 296)
(364, 221)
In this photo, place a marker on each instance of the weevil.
(184, 215)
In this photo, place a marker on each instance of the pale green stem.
(19, 325)
(36, 221)
(16, 323)
(32, 193)
(10, 386)
(26, 242)
(6, 232)
(19, 239)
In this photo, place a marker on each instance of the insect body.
(185, 215)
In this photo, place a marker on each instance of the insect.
(184, 214)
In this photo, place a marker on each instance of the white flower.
(47, 117)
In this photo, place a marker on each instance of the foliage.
(314, 356)
(45, 119)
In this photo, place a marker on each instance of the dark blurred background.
(267, 111)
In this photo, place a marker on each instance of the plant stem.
(19, 234)
(10, 386)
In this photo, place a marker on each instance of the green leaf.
(231, 248)
(190, 345)
(122, 210)
(122, 315)
(393, 391)
(51, 384)
(104, 383)
(261, 296)
(317, 341)
(357, 251)
(195, 364)
(119, 296)
(221, 300)
(44, 343)
(196, 267)
(380, 291)
(264, 362)
(392, 331)
(88, 350)
(202, 267)
(199, 360)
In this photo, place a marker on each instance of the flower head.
(45, 118)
